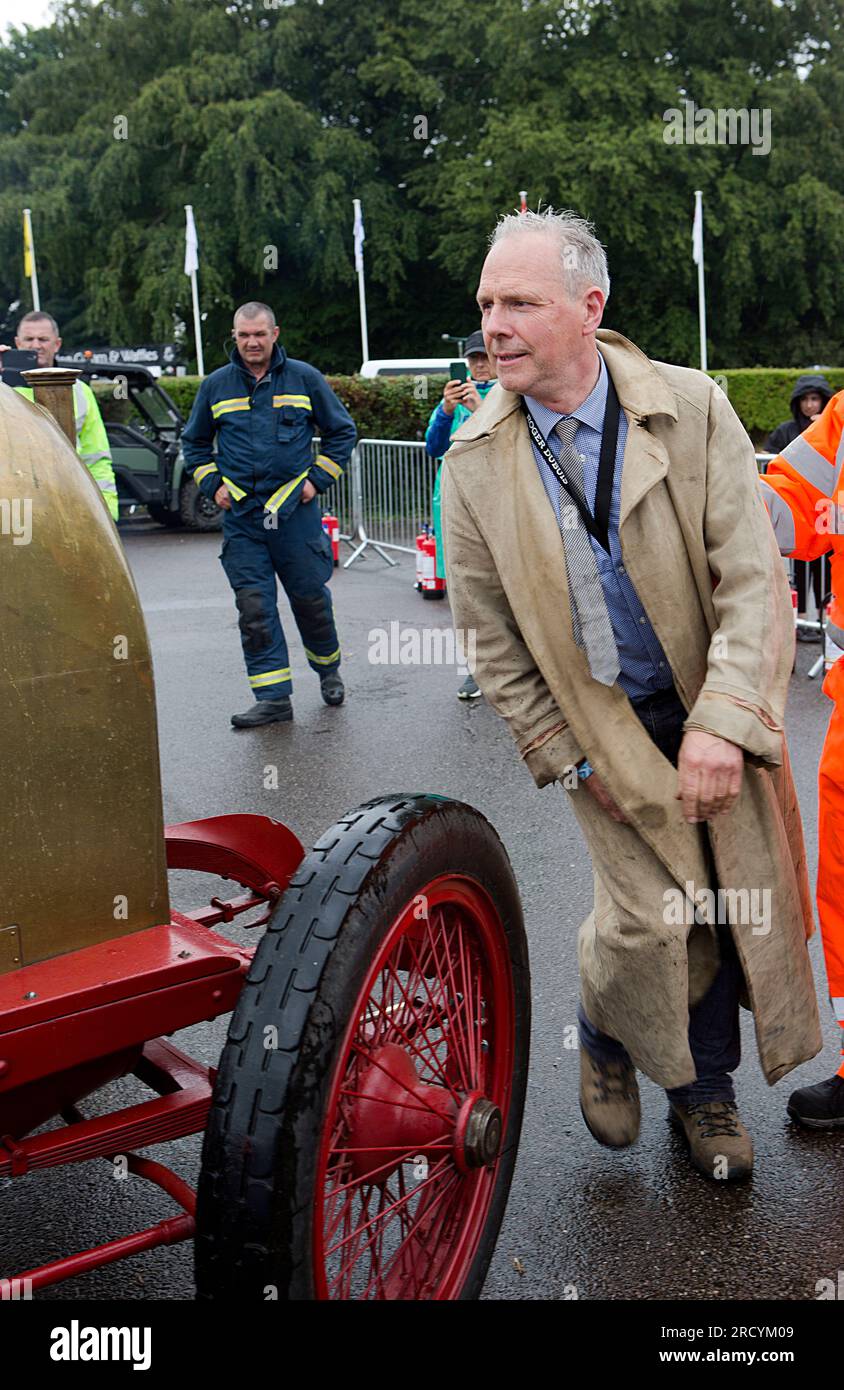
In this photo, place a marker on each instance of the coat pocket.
(292, 424)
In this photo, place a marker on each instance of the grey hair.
(583, 259)
(253, 310)
(37, 316)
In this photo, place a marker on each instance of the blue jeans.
(714, 1039)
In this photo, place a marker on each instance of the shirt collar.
(590, 412)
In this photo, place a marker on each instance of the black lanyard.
(597, 525)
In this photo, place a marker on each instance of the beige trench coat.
(701, 553)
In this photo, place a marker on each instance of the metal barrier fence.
(384, 496)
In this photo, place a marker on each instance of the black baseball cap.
(475, 343)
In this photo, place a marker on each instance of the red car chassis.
(104, 1010)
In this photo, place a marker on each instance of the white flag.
(359, 236)
(191, 243)
(697, 233)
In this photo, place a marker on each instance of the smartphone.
(458, 371)
(15, 361)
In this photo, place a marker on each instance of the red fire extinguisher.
(794, 611)
(331, 527)
(427, 582)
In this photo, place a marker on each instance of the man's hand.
(595, 786)
(308, 491)
(222, 498)
(710, 771)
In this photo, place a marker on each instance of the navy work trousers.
(714, 1039)
(257, 548)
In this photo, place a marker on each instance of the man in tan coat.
(605, 539)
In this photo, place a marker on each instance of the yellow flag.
(27, 248)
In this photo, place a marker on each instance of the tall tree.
(270, 119)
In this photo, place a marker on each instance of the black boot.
(332, 688)
(265, 712)
(820, 1106)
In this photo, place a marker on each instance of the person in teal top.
(460, 399)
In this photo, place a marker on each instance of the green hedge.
(761, 396)
(399, 407)
(381, 407)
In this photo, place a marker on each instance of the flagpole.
(701, 292)
(191, 259)
(364, 336)
(197, 325)
(29, 245)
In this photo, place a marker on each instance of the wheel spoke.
(457, 1033)
(398, 1081)
(453, 1183)
(443, 974)
(429, 1017)
(466, 981)
(431, 1178)
(416, 1017)
(392, 1148)
(422, 1058)
(405, 1153)
(440, 1007)
(441, 1227)
(377, 1225)
(399, 1104)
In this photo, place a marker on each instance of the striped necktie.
(590, 618)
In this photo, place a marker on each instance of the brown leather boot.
(719, 1145)
(609, 1100)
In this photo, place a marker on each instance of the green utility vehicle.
(144, 428)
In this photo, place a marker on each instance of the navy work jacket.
(264, 431)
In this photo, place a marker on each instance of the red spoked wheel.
(406, 1171)
(369, 1155)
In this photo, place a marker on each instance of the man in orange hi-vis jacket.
(804, 493)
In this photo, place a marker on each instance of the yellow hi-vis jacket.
(91, 440)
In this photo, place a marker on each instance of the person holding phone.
(38, 333)
(469, 382)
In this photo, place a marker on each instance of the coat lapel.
(645, 465)
(641, 393)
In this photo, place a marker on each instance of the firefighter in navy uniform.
(264, 409)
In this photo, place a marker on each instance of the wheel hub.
(395, 1114)
(482, 1134)
(395, 1117)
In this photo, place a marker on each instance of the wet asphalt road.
(640, 1224)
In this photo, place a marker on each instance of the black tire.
(197, 512)
(257, 1186)
(164, 516)
(433, 593)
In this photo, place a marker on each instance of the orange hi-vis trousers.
(831, 844)
(803, 490)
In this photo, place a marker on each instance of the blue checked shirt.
(644, 666)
